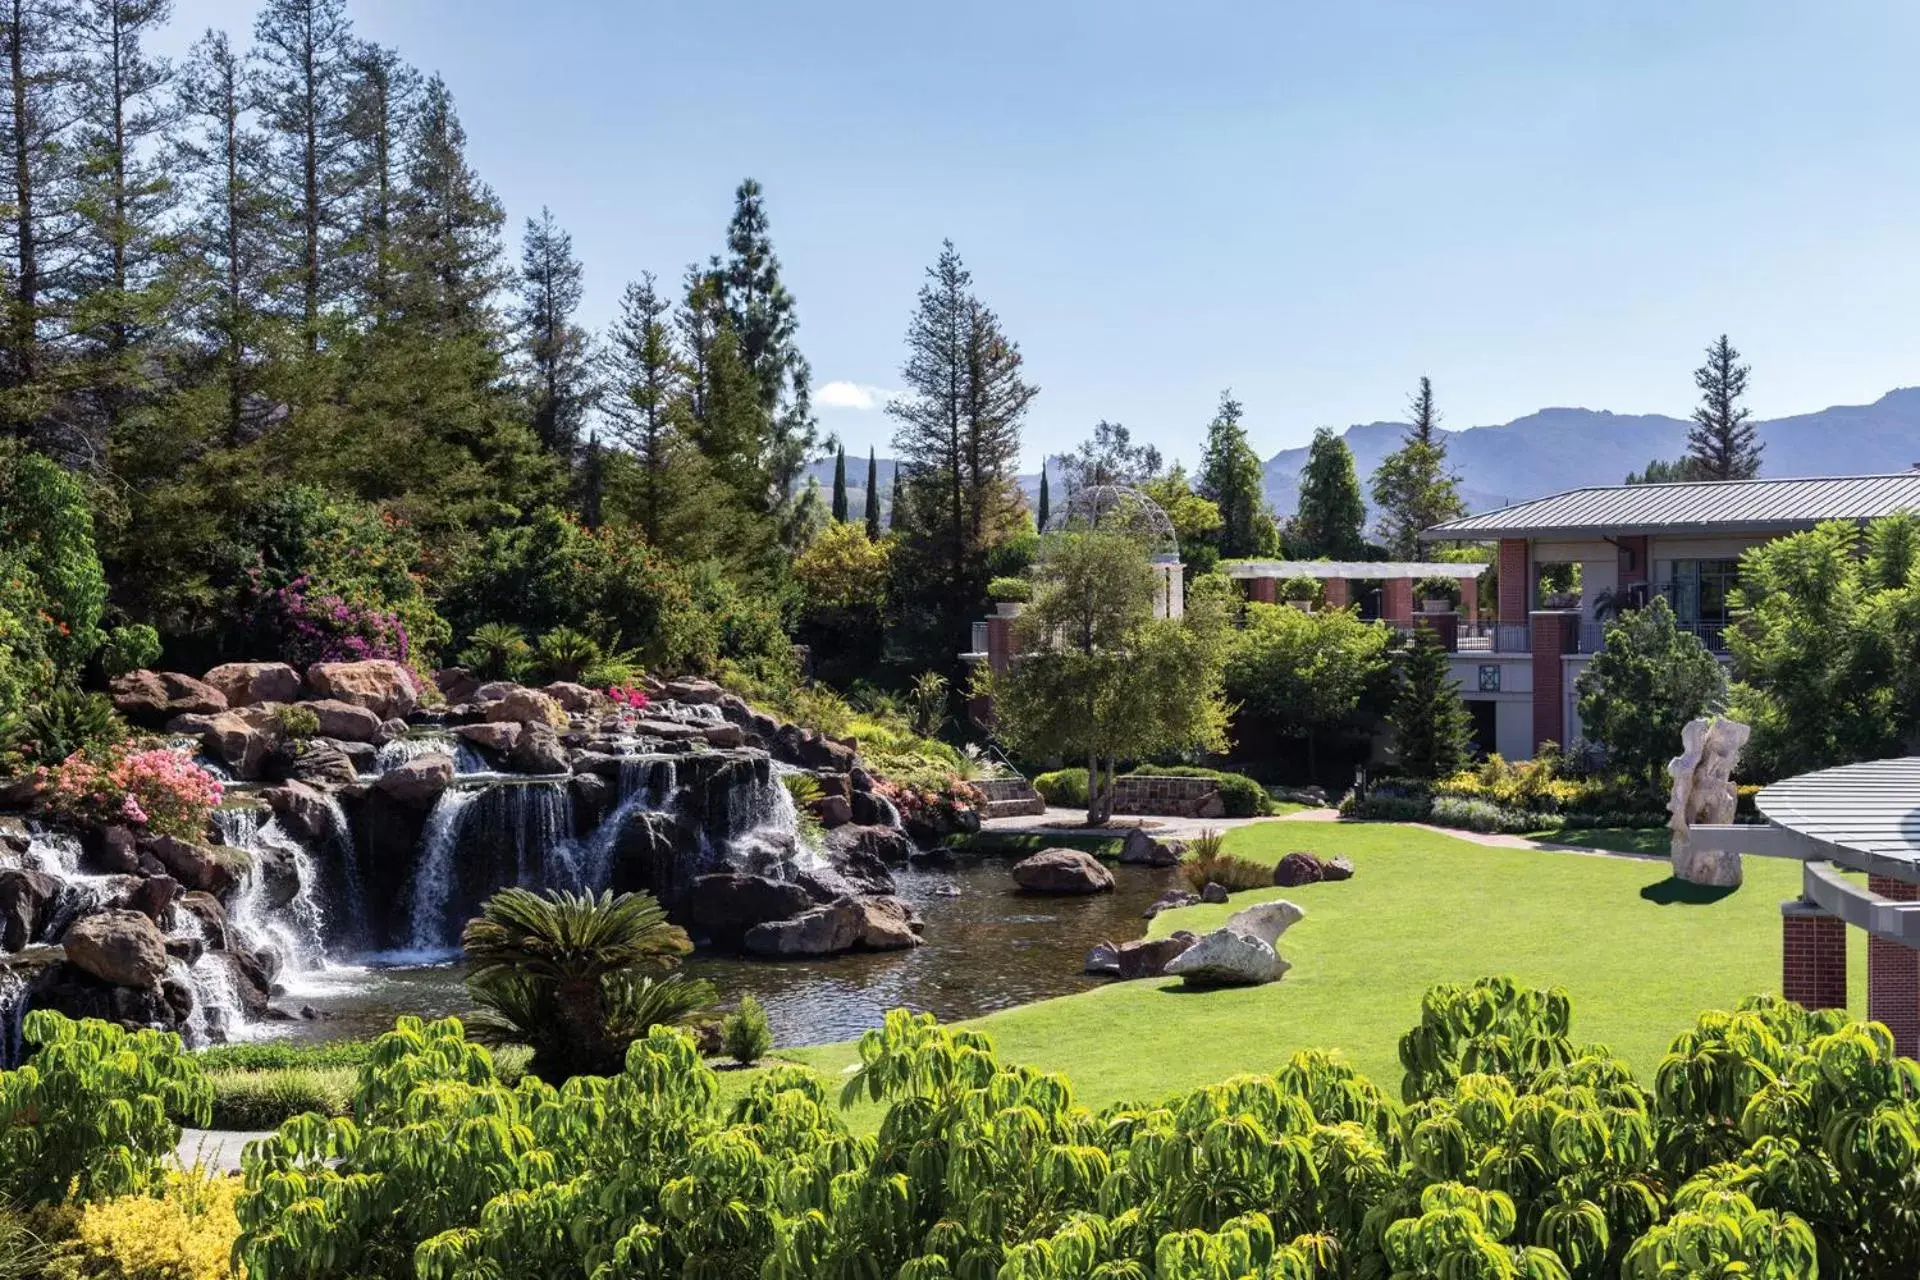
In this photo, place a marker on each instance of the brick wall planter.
(1161, 797)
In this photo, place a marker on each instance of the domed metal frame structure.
(1120, 508)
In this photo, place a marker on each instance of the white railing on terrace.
(979, 638)
(1713, 635)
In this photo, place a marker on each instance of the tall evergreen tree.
(1046, 500)
(873, 495)
(302, 80)
(553, 348)
(840, 485)
(123, 263)
(1432, 726)
(593, 478)
(1412, 487)
(1723, 444)
(761, 314)
(224, 163)
(1332, 512)
(450, 227)
(1231, 475)
(383, 99)
(647, 395)
(38, 201)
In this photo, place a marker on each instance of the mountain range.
(1557, 449)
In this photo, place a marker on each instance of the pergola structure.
(1856, 830)
(1397, 579)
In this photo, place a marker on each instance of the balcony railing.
(1495, 637)
(1713, 634)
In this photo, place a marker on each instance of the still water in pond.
(988, 947)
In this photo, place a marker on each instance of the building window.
(1490, 677)
(1701, 589)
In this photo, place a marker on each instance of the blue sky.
(1535, 204)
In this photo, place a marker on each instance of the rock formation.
(1704, 793)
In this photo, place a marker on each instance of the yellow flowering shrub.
(185, 1233)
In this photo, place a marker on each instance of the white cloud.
(851, 395)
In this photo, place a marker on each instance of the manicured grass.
(1651, 840)
(1422, 908)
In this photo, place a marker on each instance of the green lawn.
(1422, 908)
(1653, 840)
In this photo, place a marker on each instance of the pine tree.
(593, 477)
(224, 163)
(1412, 487)
(761, 314)
(840, 485)
(124, 272)
(381, 116)
(647, 395)
(1723, 444)
(449, 227)
(37, 202)
(873, 495)
(1332, 512)
(1432, 725)
(302, 79)
(1046, 499)
(1231, 475)
(553, 348)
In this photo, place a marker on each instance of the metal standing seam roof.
(1866, 816)
(1724, 506)
(1356, 570)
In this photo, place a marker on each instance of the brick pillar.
(1555, 633)
(1338, 595)
(1263, 590)
(1813, 956)
(1470, 596)
(1396, 601)
(1001, 644)
(1633, 558)
(1516, 580)
(1444, 625)
(1893, 975)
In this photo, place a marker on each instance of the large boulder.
(381, 685)
(1103, 960)
(1340, 868)
(726, 905)
(1142, 850)
(348, 721)
(809, 750)
(1224, 958)
(1062, 871)
(495, 737)
(724, 736)
(109, 851)
(320, 762)
(575, 697)
(889, 846)
(1298, 869)
(152, 698)
(1149, 957)
(888, 924)
(206, 909)
(194, 865)
(122, 948)
(825, 930)
(527, 707)
(241, 742)
(153, 897)
(832, 811)
(456, 684)
(693, 691)
(539, 750)
(245, 683)
(418, 782)
(1266, 920)
(303, 812)
(27, 899)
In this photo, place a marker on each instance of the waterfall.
(764, 835)
(646, 784)
(15, 995)
(433, 875)
(888, 811)
(294, 930)
(58, 855)
(411, 747)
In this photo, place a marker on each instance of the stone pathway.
(217, 1149)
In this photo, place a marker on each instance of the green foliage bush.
(1483, 815)
(47, 548)
(298, 722)
(746, 1032)
(1010, 590)
(88, 1115)
(130, 648)
(62, 722)
(566, 653)
(1235, 875)
(1386, 803)
(497, 651)
(1063, 788)
(1243, 797)
(1773, 1138)
(264, 1099)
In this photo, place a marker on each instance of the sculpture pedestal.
(1706, 866)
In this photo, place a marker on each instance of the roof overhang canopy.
(1352, 570)
(1733, 507)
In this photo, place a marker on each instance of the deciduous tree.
(1307, 673)
(1647, 681)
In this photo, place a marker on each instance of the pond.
(988, 947)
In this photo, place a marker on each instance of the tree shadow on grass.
(1674, 891)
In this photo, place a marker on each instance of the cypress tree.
(1231, 475)
(1412, 487)
(873, 495)
(1332, 513)
(1046, 501)
(1432, 725)
(1722, 444)
(840, 485)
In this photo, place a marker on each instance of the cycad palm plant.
(496, 651)
(576, 976)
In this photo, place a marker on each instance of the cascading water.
(764, 835)
(433, 876)
(504, 833)
(645, 784)
(283, 912)
(889, 813)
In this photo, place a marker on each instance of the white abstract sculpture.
(1703, 792)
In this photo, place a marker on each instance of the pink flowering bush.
(931, 800)
(160, 791)
(629, 696)
(317, 625)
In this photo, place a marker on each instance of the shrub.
(1010, 590)
(159, 790)
(803, 787)
(746, 1032)
(1305, 589)
(1385, 804)
(1482, 815)
(48, 556)
(130, 648)
(298, 722)
(1242, 796)
(87, 1116)
(566, 654)
(1063, 788)
(184, 1233)
(1447, 589)
(62, 723)
(312, 623)
(1231, 873)
(263, 1099)
(497, 651)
